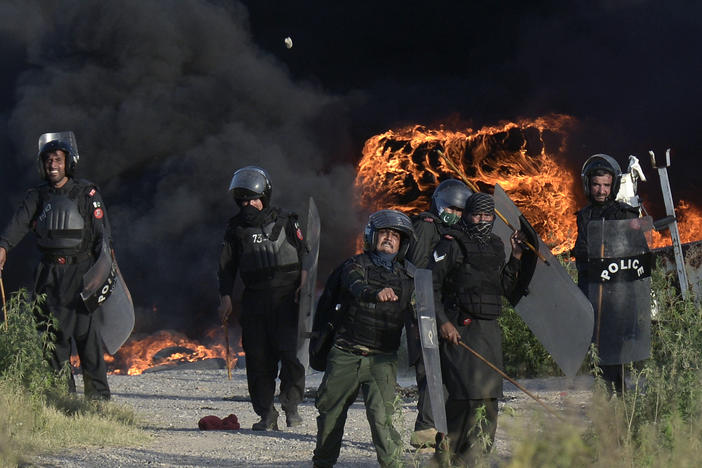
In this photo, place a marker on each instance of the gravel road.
(171, 402)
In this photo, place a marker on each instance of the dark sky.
(168, 98)
(629, 70)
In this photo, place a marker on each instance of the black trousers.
(613, 376)
(425, 417)
(269, 337)
(465, 429)
(62, 285)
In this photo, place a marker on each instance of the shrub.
(25, 346)
(37, 411)
(524, 356)
(657, 420)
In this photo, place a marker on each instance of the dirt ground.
(170, 403)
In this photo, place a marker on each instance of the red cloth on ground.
(213, 423)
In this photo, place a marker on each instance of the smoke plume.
(167, 99)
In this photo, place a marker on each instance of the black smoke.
(167, 99)
(628, 70)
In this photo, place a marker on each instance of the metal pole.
(511, 380)
(225, 328)
(673, 226)
(4, 305)
(599, 293)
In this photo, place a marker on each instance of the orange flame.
(137, 355)
(689, 224)
(401, 168)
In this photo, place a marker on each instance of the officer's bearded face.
(55, 167)
(600, 187)
(388, 241)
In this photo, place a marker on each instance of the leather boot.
(267, 423)
(292, 417)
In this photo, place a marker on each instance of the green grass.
(37, 414)
(656, 422)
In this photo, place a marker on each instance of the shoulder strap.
(280, 223)
(80, 193)
(410, 268)
(459, 238)
(43, 191)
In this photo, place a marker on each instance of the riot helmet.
(479, 203)
(51, 142)
(250, 183)
(450, 193)
(388, 219)
(601, 162)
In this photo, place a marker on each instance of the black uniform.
(428, 229)
(470, 279)
(71, 224)
(268, 255)
(610, 210)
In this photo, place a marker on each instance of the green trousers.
(375, 375)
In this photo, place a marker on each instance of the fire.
(401, 168)
(689, 225)
(167, 347)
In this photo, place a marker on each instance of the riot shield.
(106, 295)
(619, 287)
(429, 338)
(307, 294)
(554, 309)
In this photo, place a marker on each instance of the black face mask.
(251, 215)
(479, 231)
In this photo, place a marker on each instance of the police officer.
(265, 244)
(447, 204)
(601, 177)
(69, 220)
(376, 295)
(470, 276)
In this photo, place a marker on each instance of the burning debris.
(167, 348)
(401, 168)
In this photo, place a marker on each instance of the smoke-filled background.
(168, 98)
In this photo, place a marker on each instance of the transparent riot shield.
(619, 288)
(429, 338)
(307, 294)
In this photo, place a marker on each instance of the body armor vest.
(60, 223)
(476, 288)
(378, 325)
(268, 259)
